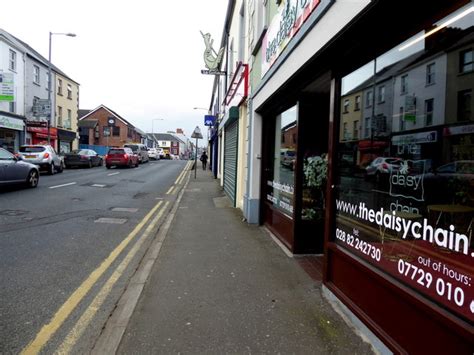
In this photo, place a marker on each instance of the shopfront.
(11, 132)
(65, 140)
(40, 135)
(393, 183)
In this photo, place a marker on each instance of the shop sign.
(292, 14)
(7, 87)
(454, 131)
(11, 123)
(212, 59)
(410, 109)
(416, 138)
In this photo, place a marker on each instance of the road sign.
(209, 120)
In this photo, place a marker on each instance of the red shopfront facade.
(39, 135)
(398, 250)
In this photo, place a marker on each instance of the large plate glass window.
(405, 195)
(280, 186)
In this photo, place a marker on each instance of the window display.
(405, 189)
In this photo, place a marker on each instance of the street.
(68, 248)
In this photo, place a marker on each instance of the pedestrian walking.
(203, 159)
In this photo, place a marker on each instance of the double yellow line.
(48, 330)
(179, 179)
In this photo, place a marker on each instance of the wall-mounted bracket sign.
(7, 87)
(212, 59)
(209, 120)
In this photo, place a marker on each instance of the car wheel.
(60, 169)
(51, 169)
(89, 165)
(107, 166)
(32, 179)
(130, 164)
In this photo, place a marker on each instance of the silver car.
(44, 156)
(15, 171)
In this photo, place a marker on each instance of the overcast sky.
(140, 58)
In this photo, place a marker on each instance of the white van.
(139, 149)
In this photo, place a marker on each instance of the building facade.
(366, 161)
(66, 112)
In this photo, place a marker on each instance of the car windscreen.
(32, 149)
(116, 151)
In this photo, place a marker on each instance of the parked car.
(161, 153)
(13, 170)
(141, 150)
(288, 158)
(83, 157)
(153, 153)
(44, 156)
(382, 167)
(121, 157)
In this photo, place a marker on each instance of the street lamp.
(49, 81)
(152, 134)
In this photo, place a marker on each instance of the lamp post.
(49, 81)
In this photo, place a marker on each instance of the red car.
(121, 157)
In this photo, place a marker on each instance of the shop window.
(466, 61)
(430, 74)
(404, 193)
(280, 184)
(355, 130)
(464, 105)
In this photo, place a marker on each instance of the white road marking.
(124, 209)
(111, 220)
(68, 184)
(112, 174)
(98, 185)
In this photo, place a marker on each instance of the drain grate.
(13, 213)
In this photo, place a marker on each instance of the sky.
(140, 58)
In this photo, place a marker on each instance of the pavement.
(213, 284)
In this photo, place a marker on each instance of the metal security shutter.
(230, 160)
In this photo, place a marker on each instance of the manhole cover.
(111, 220)
(13, 212)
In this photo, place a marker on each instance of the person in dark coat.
(203, 159)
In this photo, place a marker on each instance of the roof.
(88, 123)
(108, 109)
(82, 113)
(35, 55)
(165, 137)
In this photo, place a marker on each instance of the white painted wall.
(18, 74)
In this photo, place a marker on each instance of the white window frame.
(12, 60)
(430, 74)
(60, 87)
(429, 112)
(69, 91)
(36, 75)
(381, 94)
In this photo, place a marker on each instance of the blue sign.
(209, 120)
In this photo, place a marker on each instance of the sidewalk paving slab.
(220, 285)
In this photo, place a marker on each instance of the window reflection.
(406, 159)
(280, 186)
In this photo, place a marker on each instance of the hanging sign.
(212, 59)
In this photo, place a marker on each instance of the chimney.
(179, 131)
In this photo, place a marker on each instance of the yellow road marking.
(48, 330)
(177, 181)
(78, 329)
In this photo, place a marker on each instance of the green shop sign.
(7, 87)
